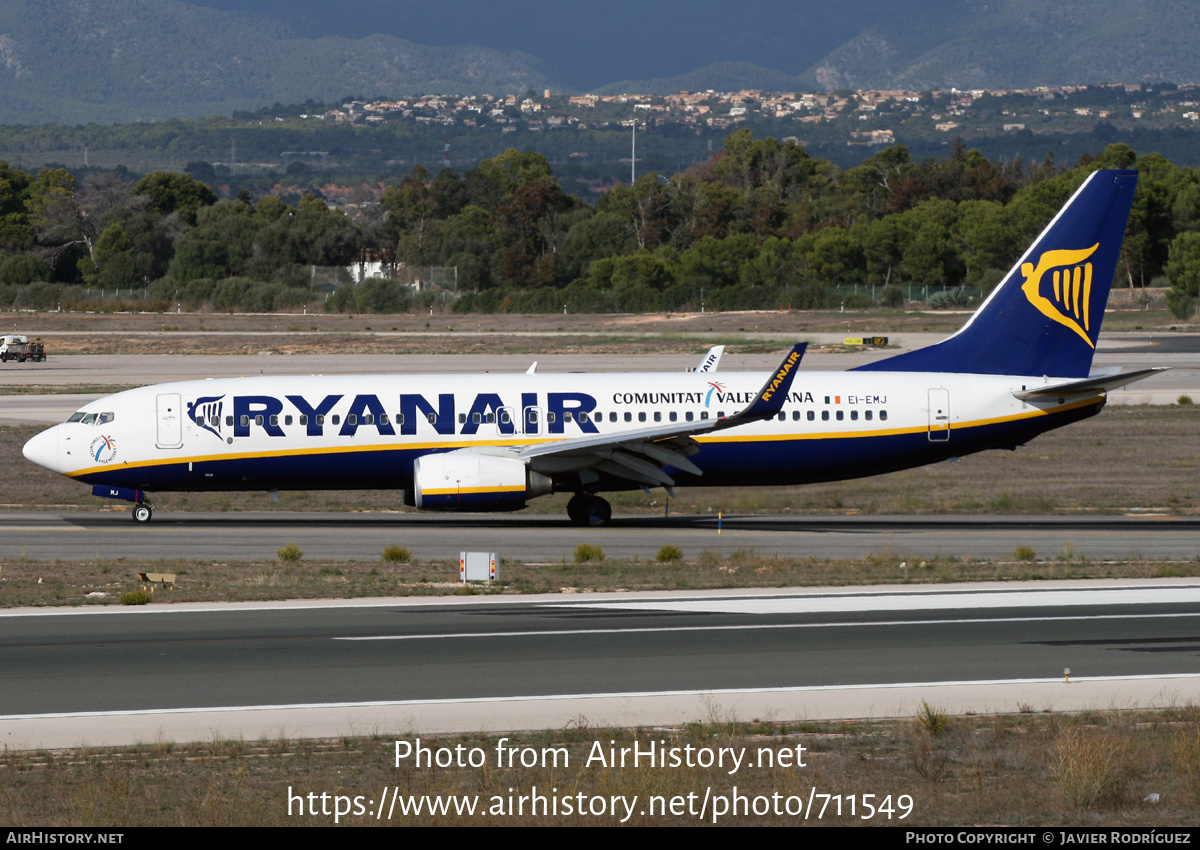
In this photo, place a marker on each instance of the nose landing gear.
(142, 512)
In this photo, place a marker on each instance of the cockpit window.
(92, 418)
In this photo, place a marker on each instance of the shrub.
(857, 301)
(588, 552)
(397, 555)
(933, 719)
(1184, 400)
(291, 552)
(949, 299)
(1181, 304)
(1024, 553)
(135, 597)
(669, 553)
(892, 296)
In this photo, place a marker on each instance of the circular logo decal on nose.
(103, 449)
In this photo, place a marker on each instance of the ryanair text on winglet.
(781, 375)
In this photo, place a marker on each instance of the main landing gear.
(584, 509)
(142, 512)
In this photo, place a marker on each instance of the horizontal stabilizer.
(1095, 383)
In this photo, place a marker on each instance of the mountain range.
(76, 61)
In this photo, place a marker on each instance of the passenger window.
(320, 418)
(504, 417)
(853, 415)
(824, 415)
(368, 419)
(674, 416)
(490, 419)
(720, 414)
(383, 419)
(476, 418)
(782, 416)
(214, 420)
(432, 417)
(867, 415)
(658, 416)
(274, 419)
(258, 420)
(335, 419)
(287, 420)
(641, 416)
(795, 415)
(688, 416)
(628, 416)
(583, 417)
(566, 416)
(550, 416)
(840, 416)
(462, 418)
(703, 414)
(303, 418)
(812, 414)
(883, 416)
(352, 419)
(228, 420)
(245, 421)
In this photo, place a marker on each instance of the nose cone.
(43, 450)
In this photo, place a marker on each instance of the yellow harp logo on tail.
(1071, 301)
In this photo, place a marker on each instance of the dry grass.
(984, 770)
(101, 582)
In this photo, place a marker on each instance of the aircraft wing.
(641, 455)
(1100, 380)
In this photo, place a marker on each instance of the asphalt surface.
(74, 670)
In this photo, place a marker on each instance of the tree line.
(760, 223)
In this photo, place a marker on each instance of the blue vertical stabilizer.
(1044, 317)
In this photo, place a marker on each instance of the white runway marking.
(911, 601)
(764, 627)
(614, 695)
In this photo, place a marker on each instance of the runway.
(245, 536)
(109, 675)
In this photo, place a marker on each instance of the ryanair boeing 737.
(1020, 366)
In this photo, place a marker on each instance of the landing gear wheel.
(589, 510)
(142, 513)
(575, 509)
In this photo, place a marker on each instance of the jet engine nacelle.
(468, 480)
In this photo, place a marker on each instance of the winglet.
(710, 360)
(774, 392)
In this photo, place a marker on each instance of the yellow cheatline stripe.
(394, 447)
(455, 491)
